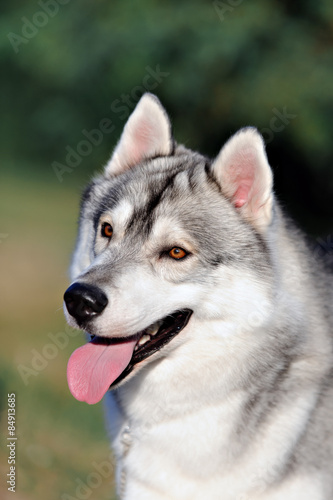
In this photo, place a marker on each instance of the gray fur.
(282, 360)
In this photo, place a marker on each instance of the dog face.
(167, 239)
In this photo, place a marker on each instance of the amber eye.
(177, 253)
(106, 230)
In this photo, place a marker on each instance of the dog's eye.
(106, 230)
(177, 253)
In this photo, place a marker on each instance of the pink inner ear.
(241, 176)
(241, 196)
(142, 145)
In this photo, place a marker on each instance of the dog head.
(166, 238)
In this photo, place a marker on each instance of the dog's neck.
(210, 409)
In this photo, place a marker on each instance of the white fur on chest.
(175, 450)
(184, 438)
(192, 456)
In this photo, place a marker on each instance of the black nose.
(84, 302)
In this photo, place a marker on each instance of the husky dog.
(210, 322)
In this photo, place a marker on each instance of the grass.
(59, 438)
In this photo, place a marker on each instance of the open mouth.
(103, 362)
(156, 336)
(149, 340)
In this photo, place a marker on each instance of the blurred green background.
(70, 68)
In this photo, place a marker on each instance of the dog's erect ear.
(242, 170)
(147, 134)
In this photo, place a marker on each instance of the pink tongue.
(93, 367)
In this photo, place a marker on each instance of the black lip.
(96, 339)
(171, 326)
